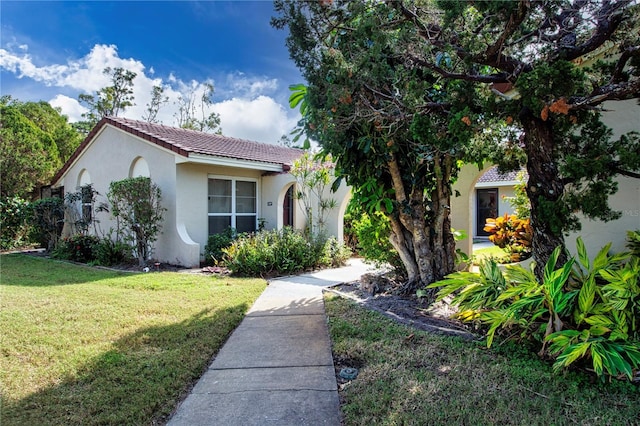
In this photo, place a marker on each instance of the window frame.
(234, 214)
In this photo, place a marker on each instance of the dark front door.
(287, 208)
(487, 200)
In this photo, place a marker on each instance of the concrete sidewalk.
(276, 368)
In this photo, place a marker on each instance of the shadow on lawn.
(140, 381)
(36, 271)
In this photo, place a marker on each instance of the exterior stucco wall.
(192, 201)
(110, 157)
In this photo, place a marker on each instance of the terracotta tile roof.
(492, 175)
(185, 142)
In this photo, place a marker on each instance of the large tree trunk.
(422, 235)
(545, 188)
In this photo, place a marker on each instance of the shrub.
(583, 313)
(15, 215)
(281, 252)
(213, 250)
(108, 252)
(512, 234)
(137, 202)
(77, 248)
(372, 233)
(47, 221)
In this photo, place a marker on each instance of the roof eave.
(238, 163)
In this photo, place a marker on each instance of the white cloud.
(261, 119)
(69, 107)
(247, 109)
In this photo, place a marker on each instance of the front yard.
(85, 346)
(411, 377)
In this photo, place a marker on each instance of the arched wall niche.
(139, 167)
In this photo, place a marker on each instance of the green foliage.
(110, 100)
(137, 203)
(47, 221)
(28, 155)
(15, 215)
(372, 231)
(520, 201)
(192, 110)
(584, 312)
(633, 242)
(216, 243)
(109, 252)
(313, 174)
(282, 252)
(77, 248)
(512, 234)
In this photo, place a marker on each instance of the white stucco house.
(208, 182)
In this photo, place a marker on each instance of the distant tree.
(108, 101)
(29, 136)
(192, 111)
(158, 98)
(51, 121)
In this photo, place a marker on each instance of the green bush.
(77, 248)
(47, 221)
(372, 233)
(287, 251)
(213, 250)
(15, 215)
(585, 313)
(108, 252)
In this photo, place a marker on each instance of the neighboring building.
(492, 192)
(208, 182)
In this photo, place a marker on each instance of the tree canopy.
(35, 140)
(397, 134)
(400, 81)
(110, 100)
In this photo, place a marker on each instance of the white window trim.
(233, 213)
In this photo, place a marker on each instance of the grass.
(489, 252)
(408, 377)
(87, 346)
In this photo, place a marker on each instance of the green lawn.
(81, 345)
(408, 377)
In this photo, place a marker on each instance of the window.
(232, 203)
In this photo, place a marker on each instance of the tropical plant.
(512, 234)
(633, 242)
(372, 232)
(583, 312)
(137, 202)
(313, 175)
(520, 201)
(216, 243)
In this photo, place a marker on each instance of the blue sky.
(55, 50)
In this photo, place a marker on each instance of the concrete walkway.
(276, 368)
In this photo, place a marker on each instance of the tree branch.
(610, 92)
(627, 54)
(481, 78)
